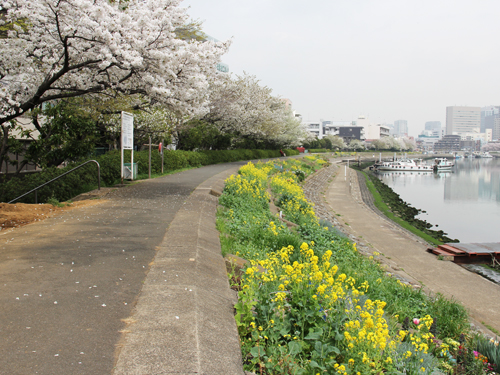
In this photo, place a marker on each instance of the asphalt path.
(68, 283)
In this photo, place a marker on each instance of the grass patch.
(382, 206)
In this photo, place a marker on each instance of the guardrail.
(58, 177)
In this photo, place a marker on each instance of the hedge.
(85, 178)
(318, 150)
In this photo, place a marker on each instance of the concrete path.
(407, 255)
(76, 296)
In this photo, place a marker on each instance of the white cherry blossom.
(69, 48)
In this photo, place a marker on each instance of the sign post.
(149, 173)
(161, 148)
(127, 141)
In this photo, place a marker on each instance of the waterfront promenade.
(137, 284)
(404, 254)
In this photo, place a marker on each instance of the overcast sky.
(385, 59)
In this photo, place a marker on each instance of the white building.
(461, 119)
(378, 131)
(314, 128)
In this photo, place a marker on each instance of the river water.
(465, 203)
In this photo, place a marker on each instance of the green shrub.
(85, 178)
(318, 150)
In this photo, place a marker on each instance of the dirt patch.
(19, 214)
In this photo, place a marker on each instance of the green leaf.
(314, 335)
(255, 351)
(314, 364)
(294, 348)
(318, 346)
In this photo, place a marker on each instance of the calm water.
(464, 203)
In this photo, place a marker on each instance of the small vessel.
(409, 165)
(442, 164)
(480, 155)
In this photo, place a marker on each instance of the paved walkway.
(404, 254)
(133, 285)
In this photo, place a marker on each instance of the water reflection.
(474, 179)
(465, 202)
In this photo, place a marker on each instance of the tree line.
(70, 67)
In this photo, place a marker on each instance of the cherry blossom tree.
(356, 145)
(491, 147)
(243, 107)
(141, 49)
(394, 144)
(337, 142)
(70, 48)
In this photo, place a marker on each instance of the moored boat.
(408, 165)
(442, 164)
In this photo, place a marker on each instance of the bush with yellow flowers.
(308, 302)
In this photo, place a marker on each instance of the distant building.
(23, 123)
(344, 129)
(427, 139)
(349, 133)
(433, 126)
(488, 116)
(401, 128)
(288, 103)
(461, 119)
(477, 138)
(448, 143)
(373, 132)
(313, 128)
(324, 126)
(496, 130)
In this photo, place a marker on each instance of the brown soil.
(19, 214)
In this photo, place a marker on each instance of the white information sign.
(127, 131)
(128, 141)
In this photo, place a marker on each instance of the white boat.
(442, 164)
(408, 165)
(479, 155)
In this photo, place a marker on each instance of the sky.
(385, 59)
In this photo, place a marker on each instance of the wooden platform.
(468, 252)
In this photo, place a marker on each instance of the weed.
(491, 328)
(54, 202)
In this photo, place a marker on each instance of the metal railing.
(64, 174)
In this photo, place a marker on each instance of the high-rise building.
(401, 128)
(496, 129)
(461, 119)
(433, 126)
(488, 116)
